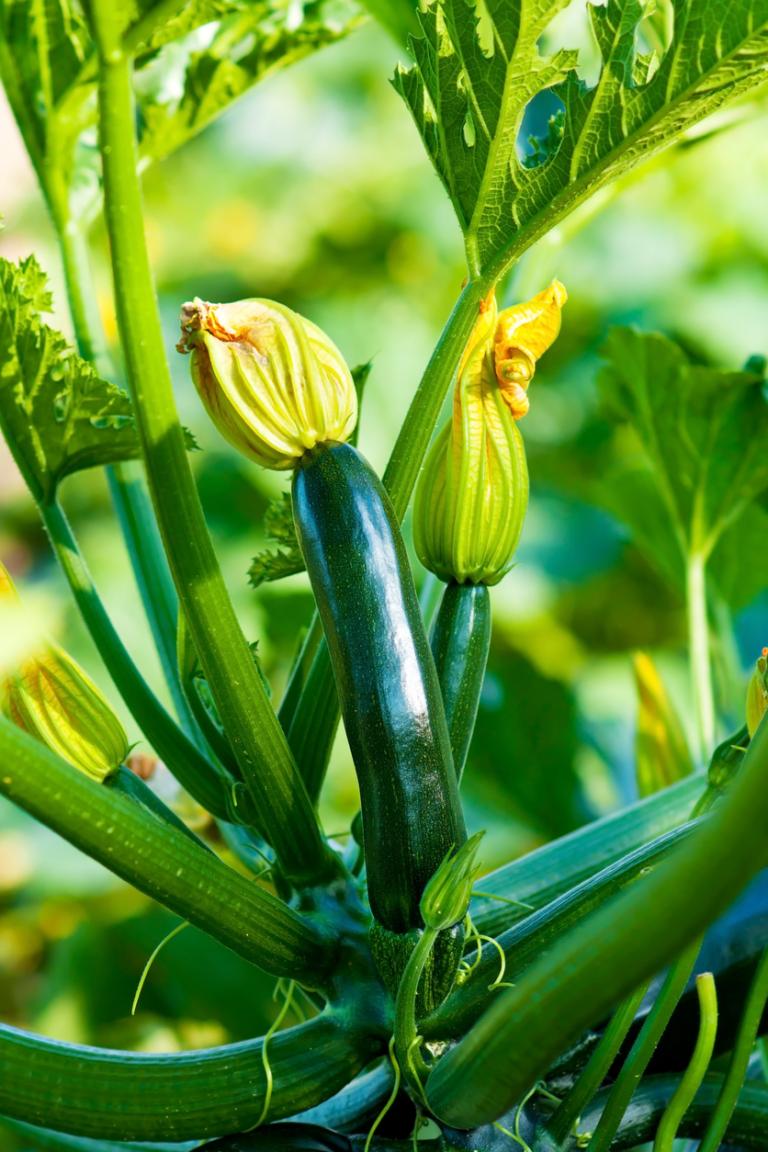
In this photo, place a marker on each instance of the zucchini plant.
(444, 1013)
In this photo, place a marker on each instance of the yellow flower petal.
(531, 327)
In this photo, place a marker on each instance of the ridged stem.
(285, 811)
(128, 491)
(597, 1067)
(187, 1095)
(642, 1050)
(161, 861)
(539, 931)
(553, 869)
(416, 432)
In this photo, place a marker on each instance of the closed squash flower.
(473, 491)
(272, 382)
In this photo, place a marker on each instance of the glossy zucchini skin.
(460, 639)
(385, 675)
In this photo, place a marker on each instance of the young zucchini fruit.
(386, 679)
(473, 494)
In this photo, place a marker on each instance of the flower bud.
(662, 755)
(53, 699)
(473, 492)
(8, 593)
(272, 382)
(757, 693)
(445, 899)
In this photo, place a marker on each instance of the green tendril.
(390, 1099)
(515, 1133)
(143, 978)
(274, 1027)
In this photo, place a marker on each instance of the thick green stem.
(127, 489)
(737, 1068)
(592, 966)
(188, 1095)
(698, 642)
(258, 741)
(597, 1068)
(150, 568)
(460, 640)
(553, 869)
(161, 861)
(642, 1050)
(208, 783)
(46, 1138)
(312, 727)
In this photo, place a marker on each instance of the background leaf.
(704, 434)
(247, 45)
(193, 61)
(474, 78)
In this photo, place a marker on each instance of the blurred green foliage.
(314, 190)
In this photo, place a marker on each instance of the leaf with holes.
(56, 414)
(704, 435)
(475, 73)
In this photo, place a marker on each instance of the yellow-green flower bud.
(662, 755)
(757, 693)
(55, 701)
(473, 492)
(445, 899)
(8, 591)
(272, 382)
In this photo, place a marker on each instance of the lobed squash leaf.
(704, 434)
(477, 68)
(57, 415)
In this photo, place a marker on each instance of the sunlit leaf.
(477, 71)
(57, 415)
(197, 83)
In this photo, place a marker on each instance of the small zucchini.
(460, 639)
(387, 683)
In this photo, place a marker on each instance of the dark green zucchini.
(385, 675)
(461, 637)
